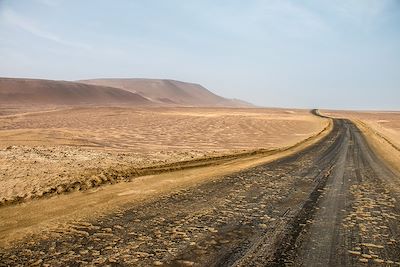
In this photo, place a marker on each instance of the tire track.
(329, 205)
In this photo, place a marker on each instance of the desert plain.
(62, 149)
(148, 172)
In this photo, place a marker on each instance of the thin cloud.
(363, 14)
(259, 19)
(31, 27)
(49, 3)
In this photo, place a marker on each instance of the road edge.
(380, 144)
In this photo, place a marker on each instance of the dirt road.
(332, 204)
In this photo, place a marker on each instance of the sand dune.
(171, 92)
(48, 92)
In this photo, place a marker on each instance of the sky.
(275, 53)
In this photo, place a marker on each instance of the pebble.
(186, 263)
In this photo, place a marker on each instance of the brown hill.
(170, 92)
(16, 91)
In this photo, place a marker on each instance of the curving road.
(332, 204)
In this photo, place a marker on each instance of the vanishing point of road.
(334, 203)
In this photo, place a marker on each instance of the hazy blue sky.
(312, 53)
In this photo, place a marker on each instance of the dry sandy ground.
(382, 130)
(39, 151)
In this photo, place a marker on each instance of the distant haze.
(277, 53)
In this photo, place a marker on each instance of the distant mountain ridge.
(170, 92)
(17, 91)
(132, 92)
